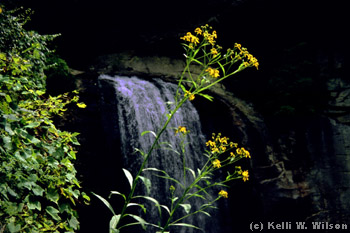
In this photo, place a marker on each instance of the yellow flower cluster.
(249, 59)
(219, 144)
(216, 163)
(214, 51)
(223, 194)
(205, 32)
(213, 72)
(181, 129)
(245, 174)
(243, 152)
(190, 95)
(190, 38)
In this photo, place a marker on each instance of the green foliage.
(202, 52)
(38, 184)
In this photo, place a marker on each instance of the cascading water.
(142, 106)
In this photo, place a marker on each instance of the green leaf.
(147, 183)
(105, 202)
(53, 212)
(128, 176)
(137, 204)
(8, 98)
(166, 208)
(210, 98)
(192, 172)
(204, 212)
(187, 207)
(34, 204)
(9, 129)
(52, 195)
(156, 203)
(13, 228)
(114, 221)
(184, 225)
(73, 222)
(37, 190)
(149, 131)
(7, 142)
(165, 177)
(32, 125)
(140, 220)
(118, 193)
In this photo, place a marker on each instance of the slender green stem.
(131, 194)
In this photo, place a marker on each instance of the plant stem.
(131, 194)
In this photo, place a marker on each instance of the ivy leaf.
(32, 125)
(37, 190)
(73, 222)
(13, 228)
(35, 204)
(8, 98)
(53, 212)
(52, 195)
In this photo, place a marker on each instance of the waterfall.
(141, 106)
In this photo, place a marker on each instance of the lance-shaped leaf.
(137, 204)
(118, 193)
(147, 183)
(129, 177)
(105, 202)
(139, 220)
(149, 131)
(185, 225)
(114, 222)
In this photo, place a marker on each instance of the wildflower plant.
(215, 65)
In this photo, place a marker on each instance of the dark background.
(91, 28)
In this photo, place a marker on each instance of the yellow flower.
(190, 38)
(214, 35)
(181, 129)
(223, 194)
(246, 153)
(198, 31)
(214, 150)
(223, 148)
(190, 95)
(81, 105)
(239, 151)
(245, 175)
(213, 72)
(214, 51)
(232, 154)
(216, 163)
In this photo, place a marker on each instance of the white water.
(141, 106)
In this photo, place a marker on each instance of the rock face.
(300, 168)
